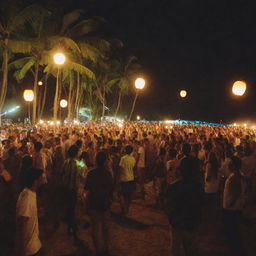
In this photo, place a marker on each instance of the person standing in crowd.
(126, 179)
(70, 187)
(184, 206)
(98, 194)
(27, 230)
(233, 201)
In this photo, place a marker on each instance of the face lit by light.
(59, 58)
(140, 83)
(239, 88)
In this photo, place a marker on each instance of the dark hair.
(236, 163)
(247, 151)
(73, 151)
(12, 151)
(162, 152)
(38, 146)
(79, 143)
(101, 158)
(32, 175)
(128, 149)
(186, 148)
(172, 153)
(27, 162)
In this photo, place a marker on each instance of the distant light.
(41, 122)
(57, 122)
(138, 118)
(235, 124)
(51, 123)
(76, 121)
(28, 95)
(59, 58)
(239, 88)
(140, 83)
(120, 125)
(183, 93)
(245, 125)
(63, 103)
(168, 121)
(40, 83)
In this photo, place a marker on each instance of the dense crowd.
(98, 163)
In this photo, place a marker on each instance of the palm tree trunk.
(35, 92)
(56, 98)
(44, 97)
(70, 94)
(4, 76)
(103, 103)
(77, 95)
(133, 105)
(118, 102)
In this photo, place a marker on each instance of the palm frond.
(19, 63)
(20, 74)
(18, 46)
(81, 70)
(90, 52)
(69, 19)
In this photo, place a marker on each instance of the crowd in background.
(190, 167)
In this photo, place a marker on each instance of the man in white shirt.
(126, 178)
(27, 236)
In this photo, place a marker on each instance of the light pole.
(28, 96)
(59, 59)
(239, 88)
(139, 85)
(63, 104)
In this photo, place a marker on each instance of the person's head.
(12, 151)
(235, 165)
(33, 178)
(38, 146)
(85, 156)
(73, 151)
(162, 152)
(247, 151)
(79, 143)
(186, 148)
(101, 158)
(128, 149)
(212, 159)
(172, 153)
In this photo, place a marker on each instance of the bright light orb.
(63, 103)
(239, 88)
(58, 122)
(41, 122)
(245, 125)
(76, 121)
(40, 83)
(140, 83)
(51, 123)
(59, 58)
(138, 118)
(28, 95)
(183, 93)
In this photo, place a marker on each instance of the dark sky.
(201, 46)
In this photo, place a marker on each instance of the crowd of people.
(47, 169)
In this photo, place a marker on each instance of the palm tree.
(12, 24)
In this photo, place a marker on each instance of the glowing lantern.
(239, 88)
(28, 95)
(59, 58)
(183, 93)
(63, 103)
(40, 83)
(140, 83)
(138, 118)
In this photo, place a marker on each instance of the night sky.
(200, 46)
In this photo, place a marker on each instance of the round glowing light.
(59, 58)
(239, 88)
(138, 117)
(76, 121)
(140, 83)
(51, 123)
(40, 83)
(57, 122)
(120, 125)
(41, 122)
(28, 95)
(63, 103)
(183, 93)
(245, 125)
(235, 124)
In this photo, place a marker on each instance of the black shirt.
(99, 184)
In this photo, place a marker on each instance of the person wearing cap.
(27, 229)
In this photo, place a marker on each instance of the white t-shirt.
(127, 163)
(27, 207)
(141, 160)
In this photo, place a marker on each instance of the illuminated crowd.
(98, 163)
